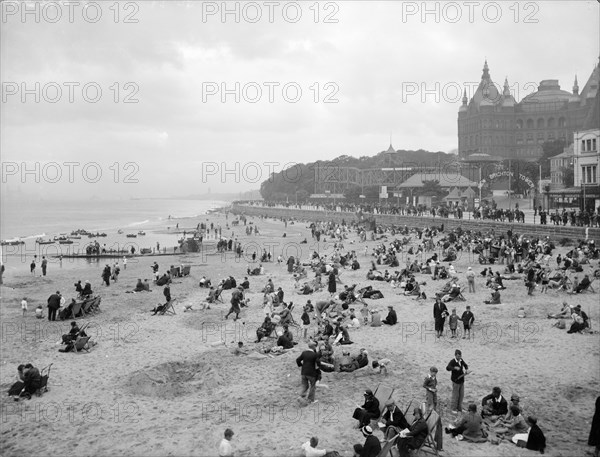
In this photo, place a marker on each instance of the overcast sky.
(362, 69)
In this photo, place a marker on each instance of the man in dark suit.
(369, 410)
(414, 438)
(439, 314)
(309, 362)
(458, 368)
(53, 305)
(392, 417)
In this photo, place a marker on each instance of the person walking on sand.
(471, 279)
(32, 267)
(225, 447)
(459, 369)
(309, 362)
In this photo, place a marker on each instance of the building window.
(589, 174)
(551, 123)
(540, 123)
(519, 123)
(561, 122)
(594, 145)
(529, 123)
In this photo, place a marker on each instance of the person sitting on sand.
(265, 329)
(212, 295)
(468, 426)
(375, 318)
(368, 411)
(564, 313)
(269, 287)
(392, 317)
(17, 387)
(495, 300)
(239, 349)
(494, 404)
(204, 282)
(534, 439)
(283, 339)
(32, 380)
(516, 424)
(580, 320)
(139, 287)
(371, 446)
(310, 448)
(163, 280)
(245, 283)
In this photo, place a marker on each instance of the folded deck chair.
(432, 445)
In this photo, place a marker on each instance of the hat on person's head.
(312, 344)
(433, 369)
(367, 430)
(473, 407)
(368, 392)
(390, 402)
(468, 307)
(390, 306)
(469, 268)
(497, 390)
(532, 420)
(87, 282)
(514, 397)
(417, 412)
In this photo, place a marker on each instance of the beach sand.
(169, 385)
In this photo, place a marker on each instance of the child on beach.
(365, 314)
(467, 319)
(430, 385)
(453, 322)
(305, 321)
(24, 305)
(39, 312)
(381, 366)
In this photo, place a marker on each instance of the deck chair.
(76, 309)
(383, 394)
(589, 287)
(386, 450)
(168, 309)
(81, 344)
(186, 270)
(433, 420)
(218, 295)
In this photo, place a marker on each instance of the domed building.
(493, 123)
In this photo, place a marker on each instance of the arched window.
(561, 122)
(529, 123)
(519, 123)
(540, 123)
(551, 123)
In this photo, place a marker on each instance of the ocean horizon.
(34, 219)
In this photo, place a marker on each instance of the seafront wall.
(555, 232)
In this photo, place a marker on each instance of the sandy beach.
(169, 385)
